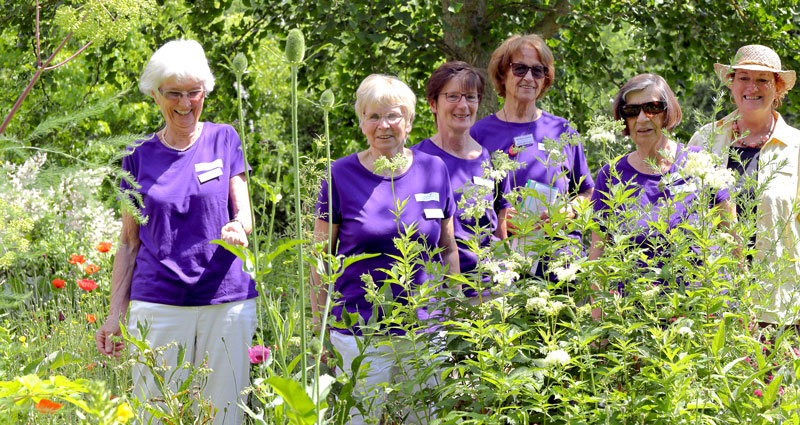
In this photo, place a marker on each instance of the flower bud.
(315, 347)
(239, 64)
(295, 46)
(326, 99)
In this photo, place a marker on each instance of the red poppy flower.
(77, 259)
(58, 283)
(91, 268)
(103, 247)
(91, 318)
(87, 285)
(46, 406)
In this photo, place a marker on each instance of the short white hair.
(385, 90)
(183, 60)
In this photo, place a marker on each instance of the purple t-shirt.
(463, 171)
(570, 176)
(650, 198)
(362, 205)
(187, 202)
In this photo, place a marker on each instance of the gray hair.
(385, 90)
(643, 81)
(181, 59)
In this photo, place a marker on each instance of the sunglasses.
(521, 70)
(650, 109)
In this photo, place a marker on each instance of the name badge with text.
(524, 140)
(426, 197)
(208, 175)
(480, 181)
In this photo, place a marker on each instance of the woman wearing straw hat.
(756, 143)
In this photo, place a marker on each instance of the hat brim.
(722, 71)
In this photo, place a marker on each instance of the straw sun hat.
(755, 57)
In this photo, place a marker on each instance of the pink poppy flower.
(258, 354)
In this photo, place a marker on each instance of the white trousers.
(223, 331)
(382, 367)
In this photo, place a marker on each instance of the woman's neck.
(460, 145)
(661, 154)
(514, 111)
(181, 139)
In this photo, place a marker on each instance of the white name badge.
(426, 197)
(208, 175)
(524, 140)
(480, 181)
(431, 213)
(205, 166)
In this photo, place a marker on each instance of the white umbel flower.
(557, 357)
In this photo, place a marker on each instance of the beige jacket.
(779, 211)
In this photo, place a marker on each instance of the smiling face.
(643, 129)
(183, 114)
(386, 128)
(753, 91)
(524, 89)
(456, 117)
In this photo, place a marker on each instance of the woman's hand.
(103, 338)
(233, 233)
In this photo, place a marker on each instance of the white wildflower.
(651, 293)
(554, 308)
(601, 136)
(557, 357)
(701, 165)
(536, 304)
(566, 274)
(685, 330)
(727, 237)
(505, 277)
(399, 162)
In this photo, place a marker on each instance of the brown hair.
(665, 94)
(501, 61)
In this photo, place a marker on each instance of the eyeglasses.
(391, 118)
(456, 97)
(650, 109)
(521, 70)
(192, 95)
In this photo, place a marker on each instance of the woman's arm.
(447, 241)
(319, 292)
(236, 230)
(501, 231)
(124, 264)
(596, 250)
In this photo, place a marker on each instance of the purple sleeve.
(322, 204)
(450, 205)
(580, 170)
(235, 155)
(600, 193)
(500, 201)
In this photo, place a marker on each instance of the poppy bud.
(295, 46)
(315, 347)
(239, 64)
(326, 99)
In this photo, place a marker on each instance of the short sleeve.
(450, 205)
(581, 179)
(235, 153)
(503, 188)
(322, 204)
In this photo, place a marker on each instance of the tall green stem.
(299, 229)
(243, 137)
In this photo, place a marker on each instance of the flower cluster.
(399, 162)
(557, 358)
(701, 165)
(543, 304)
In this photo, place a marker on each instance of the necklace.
(163, 138)
(737, 135)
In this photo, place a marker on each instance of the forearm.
(501, 232)
(121, 277)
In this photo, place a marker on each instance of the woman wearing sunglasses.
(648, 106)
(753, 140)
(521, 71)
(454, 92)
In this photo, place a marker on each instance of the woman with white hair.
(362, 197)
(756, 142)
(166, 273)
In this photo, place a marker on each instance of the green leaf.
(300, 407)
(772, 390)
(248, 263)
(719, 338)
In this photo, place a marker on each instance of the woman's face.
(524, 89)
(753, 91)
(454, 117)
(645, 129)
(181, 103)
(385, 127)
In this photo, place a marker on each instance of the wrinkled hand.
(105, 345)
(511, 228)
(233, 233)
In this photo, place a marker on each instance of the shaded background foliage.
(598, 45)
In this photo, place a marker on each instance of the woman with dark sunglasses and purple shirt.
(521, 70)
(648, 106)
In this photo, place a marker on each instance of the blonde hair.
(385, 90)
(501, 61)
(184, 60)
